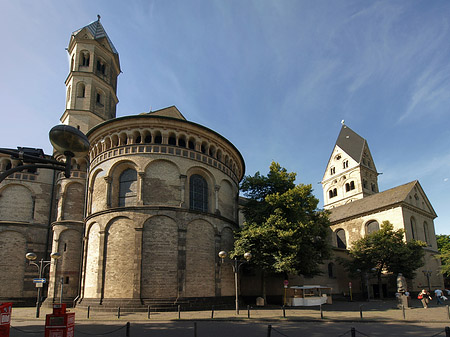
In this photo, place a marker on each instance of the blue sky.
(274, 77)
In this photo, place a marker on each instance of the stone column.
(138, 263)
(216, 197)
(101, 265)
(182, 190)
(140, 188)
(108, 181)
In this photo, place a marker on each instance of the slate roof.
(373, 202)
(98, 32)
(351, 143)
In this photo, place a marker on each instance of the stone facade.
(142, 218)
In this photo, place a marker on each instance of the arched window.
(340, 239)
(84, 59)
(372, 227)
(331, 270)
(172, 140)
(413, 228)
(332, 170)
(128, 188)
(332, 193)
(81, 90)
(425, 232)
(198, 191)
(345, 164)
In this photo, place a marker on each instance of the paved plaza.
(379, 318)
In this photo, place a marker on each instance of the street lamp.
(65, 139)
(428, 273)
(41, 265)
(236, 266)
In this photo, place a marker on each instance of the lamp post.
(236, 264)
(428, 273)
(65, 139)
(41, 265)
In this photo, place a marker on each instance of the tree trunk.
(380, 288)
(263, 284)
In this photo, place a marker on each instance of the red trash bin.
(60, 323)
(5, 318)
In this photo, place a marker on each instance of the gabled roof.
(98, 32)
(351, 143)
(170, 111)
(376, 202)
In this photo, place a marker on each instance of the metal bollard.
(118, 312)
(179, 311)
(353, 332)
(212, 312)
(127, 331)
(284, 312)
(321, 312)
(269, 330)
(403, 310)
(248, 311)
(148, 312)
(88, 311)
(195, 329)
(360, 311)
(447, 331)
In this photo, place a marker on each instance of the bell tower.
(91, 87)
(351, 173)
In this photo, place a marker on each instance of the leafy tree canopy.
(283, 228)
(385, 250)
(443, 243)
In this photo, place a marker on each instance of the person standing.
(438, 293)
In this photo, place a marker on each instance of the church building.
(142, 218)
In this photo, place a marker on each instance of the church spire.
(92, 81)
(351, 173)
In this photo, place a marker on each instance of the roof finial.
(343, 122)
(98, 17)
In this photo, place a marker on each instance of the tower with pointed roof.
(91, 86)
(351, 173)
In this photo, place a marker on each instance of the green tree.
(443, 243)
(283, 228)
(385, 251)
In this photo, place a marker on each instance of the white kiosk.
(308, 295)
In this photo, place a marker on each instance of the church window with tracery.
(198, 191)
(127, 188)
(345, 164)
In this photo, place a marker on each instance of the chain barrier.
(437, 334)
(279, 332)
(101, 334)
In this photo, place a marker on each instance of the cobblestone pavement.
(340, 311)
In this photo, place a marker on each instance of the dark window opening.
(138, 139)
(148, 139)
(172, 141)
(198, 191)
(203, 148)
(127, 187)
(85, 59)
(66, 280)
(182, 142)
(331, 270)
(101, 67)
(191, 145)
(341, 239)
(373, 187)
(372, 227)
(158, 139)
